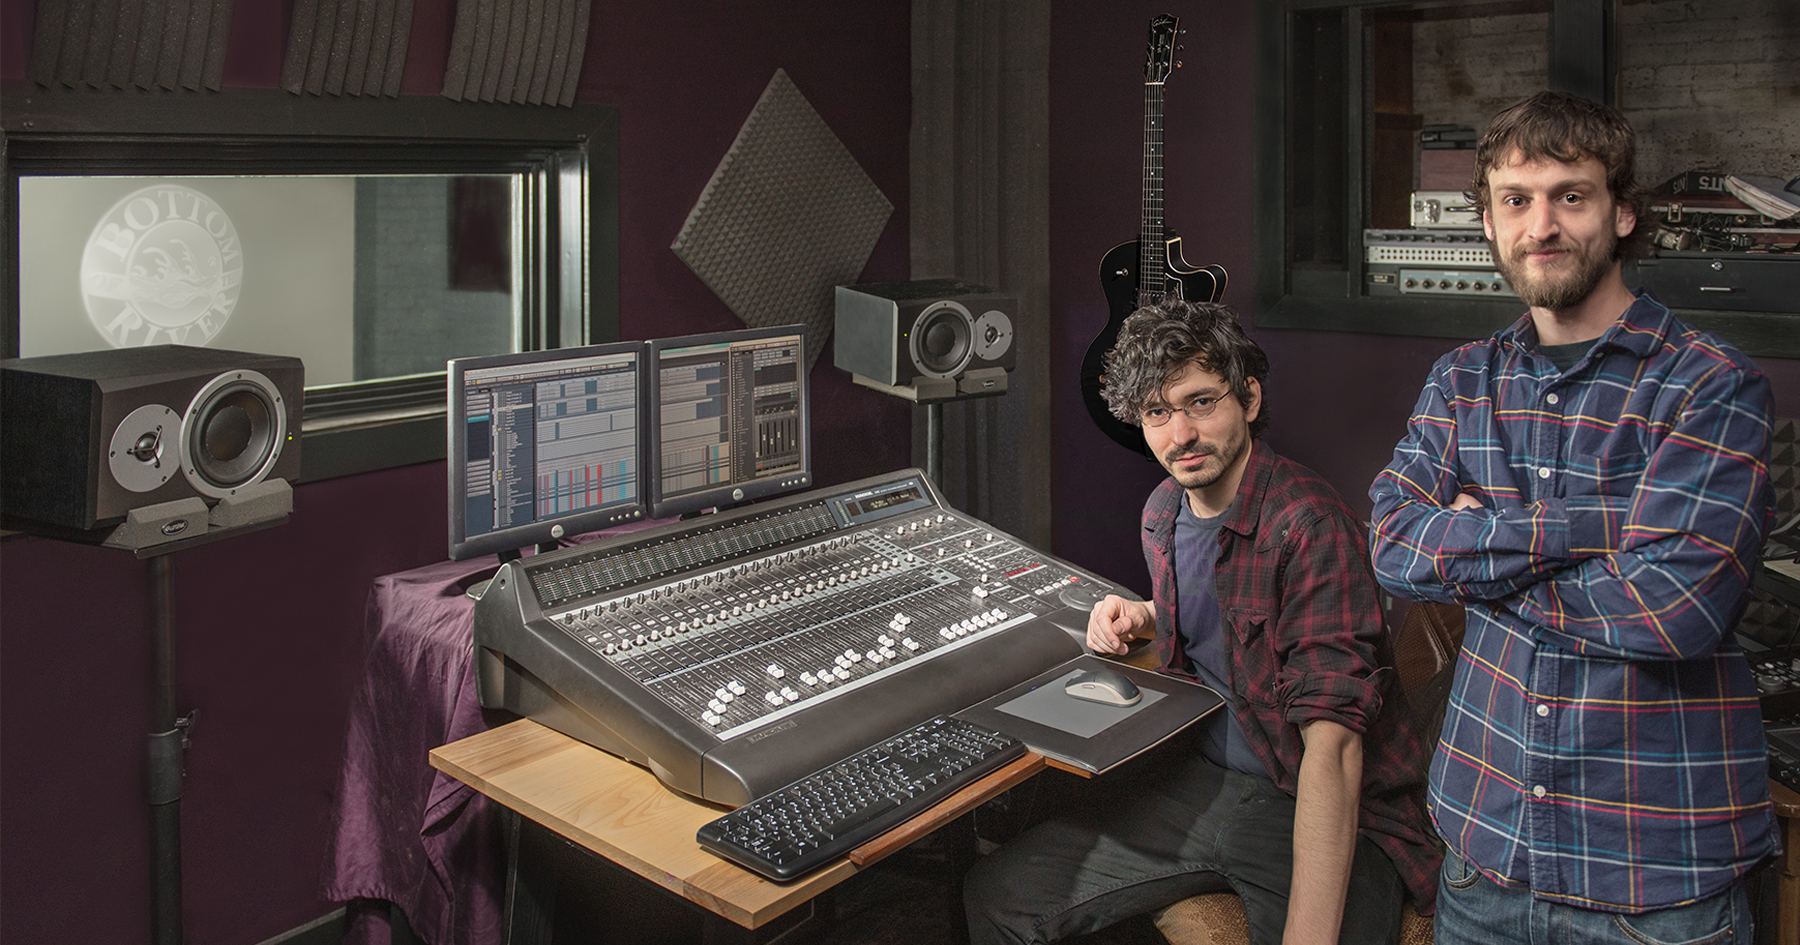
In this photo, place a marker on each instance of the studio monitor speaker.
(932, 339)
(86, 439)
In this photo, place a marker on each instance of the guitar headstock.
(1160, 60)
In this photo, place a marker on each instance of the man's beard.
(1556, 292)
(1226, 453)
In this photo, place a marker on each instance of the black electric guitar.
(1147, 268)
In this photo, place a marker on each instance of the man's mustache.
(1520, 252)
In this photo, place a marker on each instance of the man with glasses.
(1303, 795)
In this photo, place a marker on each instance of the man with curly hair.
(1592, 484)
(1303, 794)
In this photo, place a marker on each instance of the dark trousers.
(1146, 837)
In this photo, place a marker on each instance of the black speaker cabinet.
(933, 339)
(87, 438)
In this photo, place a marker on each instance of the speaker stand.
(934, 444)
(164, 769)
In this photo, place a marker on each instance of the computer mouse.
(1103, 686)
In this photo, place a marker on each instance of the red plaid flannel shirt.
(1306, 642)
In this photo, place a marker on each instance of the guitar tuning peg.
(1177, 63)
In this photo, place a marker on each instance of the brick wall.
(1712, 86)
(1465, 70)
(1709, 85)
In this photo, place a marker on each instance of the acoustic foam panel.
(123, 43)
(787, 217)
(517, 51)
(347, 47)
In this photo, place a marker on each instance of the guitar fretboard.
(1152, 253)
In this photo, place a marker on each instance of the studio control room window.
(1374, 108)
(362, 278)
(371, 258)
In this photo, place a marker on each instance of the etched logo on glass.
(163, 266)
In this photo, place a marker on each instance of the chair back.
(1425, 651)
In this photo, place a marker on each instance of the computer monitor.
(545, 445)
(731, 421)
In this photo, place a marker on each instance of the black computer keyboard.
(809, 823)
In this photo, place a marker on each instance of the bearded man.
(1592, 484)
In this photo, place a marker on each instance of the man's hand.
(1115, 621)
(1464, 500)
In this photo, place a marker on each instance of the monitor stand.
(511, 554)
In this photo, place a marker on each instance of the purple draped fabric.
(403, 831)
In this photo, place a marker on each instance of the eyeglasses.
(1197, 408)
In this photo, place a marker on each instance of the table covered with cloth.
(403, 831)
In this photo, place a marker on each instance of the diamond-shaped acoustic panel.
(788, 216)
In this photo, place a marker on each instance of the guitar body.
(1120, 282)
(1150, 267)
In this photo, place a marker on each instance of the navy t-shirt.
(1203, 637)
(1565, 356)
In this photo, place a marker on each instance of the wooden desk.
(621, 812)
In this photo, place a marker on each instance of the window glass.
(361, 277)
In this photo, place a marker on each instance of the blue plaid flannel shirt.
(1603, 741)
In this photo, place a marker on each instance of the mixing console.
(736, 652)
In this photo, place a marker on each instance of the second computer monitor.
(729, 418)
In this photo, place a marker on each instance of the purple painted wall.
(1338, 402)
(269, 626)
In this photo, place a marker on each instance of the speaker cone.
(942, 339)
(232, 433)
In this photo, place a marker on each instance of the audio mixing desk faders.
(736, 652)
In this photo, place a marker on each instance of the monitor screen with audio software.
(731, 419)
(545, 445)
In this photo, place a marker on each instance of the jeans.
(1474, 910)
(1138, 844)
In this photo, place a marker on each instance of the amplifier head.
(929, 340)
(87, 438)
(1448, 209)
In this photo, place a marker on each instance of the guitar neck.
(1153, 253)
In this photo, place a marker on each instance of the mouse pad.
(1090, 737)
(1048, 704)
